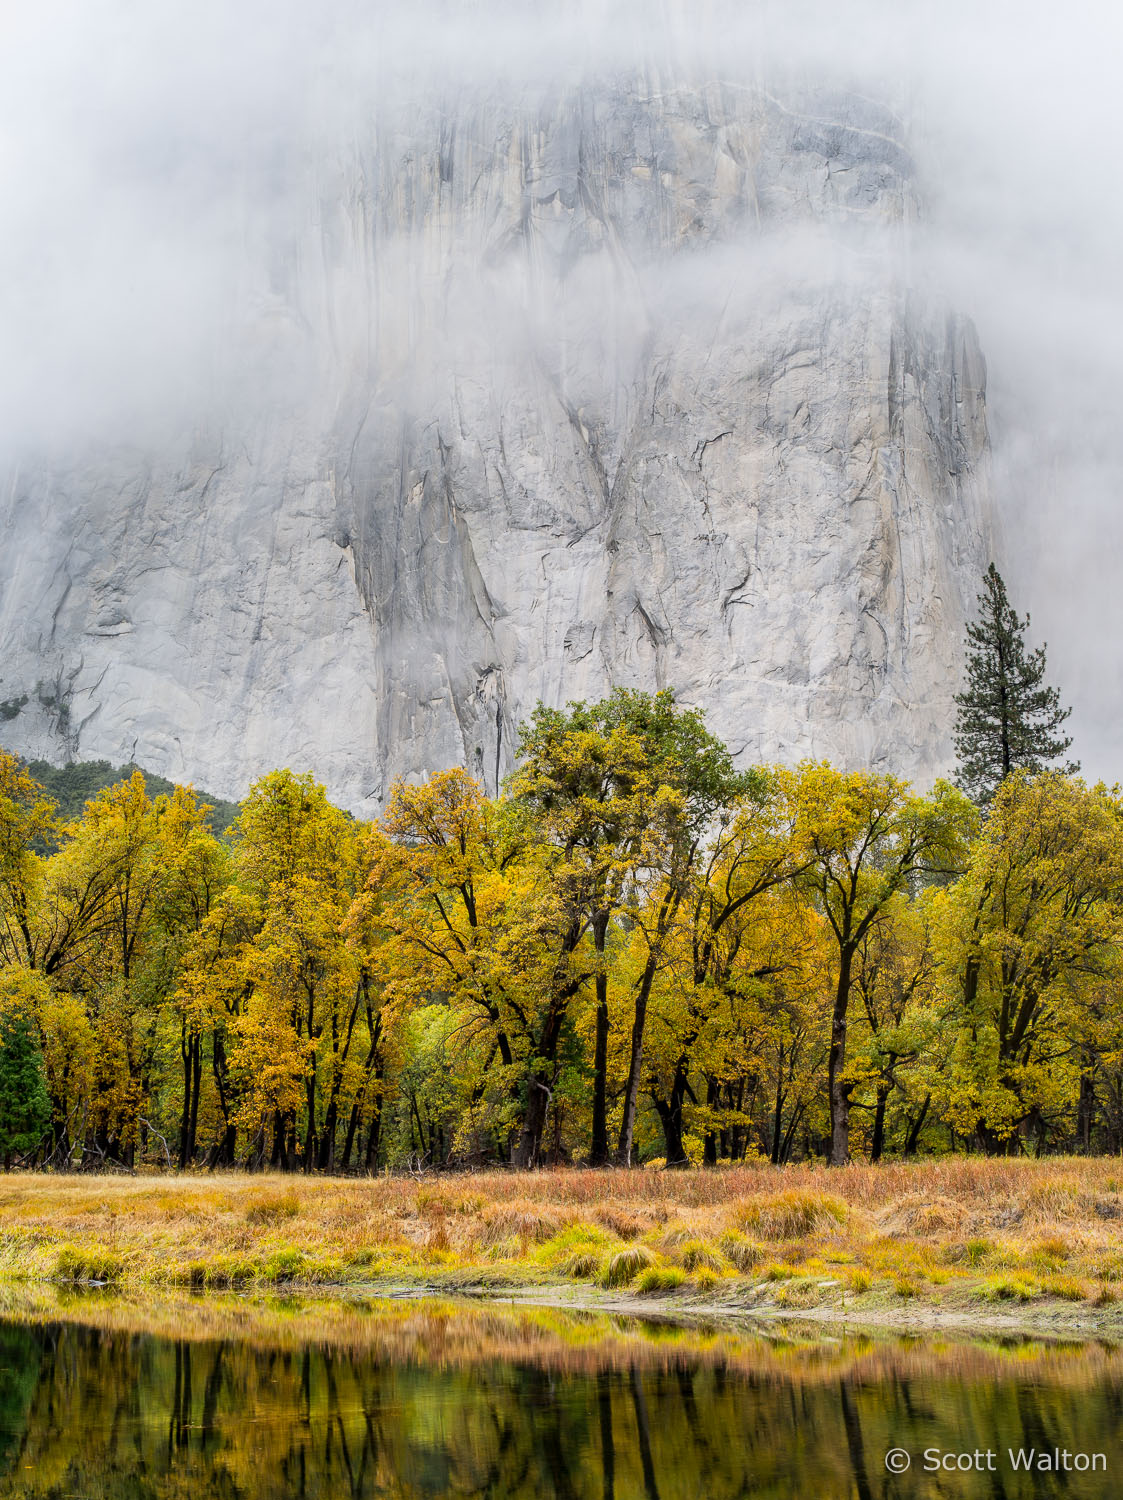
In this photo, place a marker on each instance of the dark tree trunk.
(279, 1156)
(913, 1137)
(598, 1154)
(529, 1148)
(349, 1139)
(374, 1136)
(186, 1048)
(540, 1089)
(709, 1145)
(310, 1137)
(326, 1159)
(840, 1091)
(224, 1149)
(877, 1145)
(196, 1088)
(778, 1111)
(635, 1064)
(670, 1117)
(1086, 1108)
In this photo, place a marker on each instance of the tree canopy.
(634, 952)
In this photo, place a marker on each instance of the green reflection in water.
(103, 1411)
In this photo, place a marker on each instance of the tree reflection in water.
(434, 1400)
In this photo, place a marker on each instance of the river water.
(417, 1400)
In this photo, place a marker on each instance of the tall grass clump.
(625, 1266)
(791, 1215)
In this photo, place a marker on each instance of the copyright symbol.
(897, 1460)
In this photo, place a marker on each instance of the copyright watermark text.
(990, 1460)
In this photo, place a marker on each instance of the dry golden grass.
(924, 1231)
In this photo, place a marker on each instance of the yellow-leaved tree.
(869, 837)
(1026, 936)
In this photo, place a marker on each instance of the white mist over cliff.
(373, 371)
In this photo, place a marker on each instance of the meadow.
(959, 1239)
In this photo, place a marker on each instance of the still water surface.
(452, 1401)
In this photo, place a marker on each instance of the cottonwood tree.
(1032, 924)
(628, 787)
(869, 837)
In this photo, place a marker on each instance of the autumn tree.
(869, 836)
(304, 987)
(753, 847)
(590, 776)
(27, 819)
(1034, 921)
(894, 978)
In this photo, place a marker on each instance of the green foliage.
(25, 1107)
(1008, 719)
(72, 786)
(633, 943)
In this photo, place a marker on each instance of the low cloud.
(159, 165)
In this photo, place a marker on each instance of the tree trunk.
(877, 1145)
(279, 1157)
(374, 1136)
(635, 1063)
(709, 1147)
(913, 1137)
(310, 1137)
(224, 1150)
(1086, 1108)
(839, 1091)
(326, 1159)
(778, 1111)
(529, 1147)
(185, 1117)
(670, 1117)
(598, 1154)
(541, 1087)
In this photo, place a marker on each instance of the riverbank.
(958, 1243)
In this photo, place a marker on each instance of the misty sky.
(143, 145)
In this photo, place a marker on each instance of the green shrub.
(1065, 1287)
(231, 1271)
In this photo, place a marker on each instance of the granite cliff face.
(623, 384)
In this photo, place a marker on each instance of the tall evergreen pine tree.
(25, 1106)
(1008, 719)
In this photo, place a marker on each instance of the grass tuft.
(1009, 1288)
(626, 1265)
(791, 1215)
(272, 1208)
(660, 1279)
